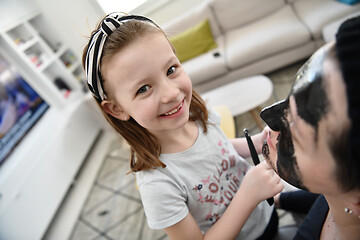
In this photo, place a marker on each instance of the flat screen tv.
(20, 108)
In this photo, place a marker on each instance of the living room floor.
(113, 208)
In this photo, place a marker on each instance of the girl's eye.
(143, 89)
(171, 70)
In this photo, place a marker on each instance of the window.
(127, 6)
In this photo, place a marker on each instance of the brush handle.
(255, 157)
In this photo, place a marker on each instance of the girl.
(191, 179)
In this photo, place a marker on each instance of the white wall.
(162, 11)
(73, 19)
(11, 11)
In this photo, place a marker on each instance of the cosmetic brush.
(255, 157)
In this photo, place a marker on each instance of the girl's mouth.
(175, 110)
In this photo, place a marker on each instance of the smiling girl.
(191, 178)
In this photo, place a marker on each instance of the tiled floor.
(113, 209)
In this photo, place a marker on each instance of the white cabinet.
(37, 175)
(56, 68)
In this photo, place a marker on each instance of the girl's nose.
(170, 92)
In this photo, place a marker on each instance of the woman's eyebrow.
(291, 114)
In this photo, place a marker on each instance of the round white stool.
(241, 96)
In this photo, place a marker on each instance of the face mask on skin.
(312, 105)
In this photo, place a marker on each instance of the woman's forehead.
(309, 91)
(312, 70)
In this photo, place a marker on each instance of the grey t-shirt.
(201, 180)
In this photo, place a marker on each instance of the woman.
(314, 142)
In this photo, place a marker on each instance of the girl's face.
(307, 128)
(146, 82)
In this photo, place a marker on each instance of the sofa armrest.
(316, 14)
(233, 14)
(191, 18)
(329, 31)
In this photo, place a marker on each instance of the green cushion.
(193, 41)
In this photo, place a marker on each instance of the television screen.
(20, 108)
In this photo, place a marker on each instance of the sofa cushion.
(193, 41)
(317, 13)
(190, 18)
(208, 65)
(235, 13)
(276, 33)
(330, 29)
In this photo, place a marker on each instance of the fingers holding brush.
(262, 183)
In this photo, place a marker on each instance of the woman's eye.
(143, 89)
(171, 70)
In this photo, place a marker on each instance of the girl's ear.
(114, 110)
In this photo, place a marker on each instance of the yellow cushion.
(193, 41)
(227, 123)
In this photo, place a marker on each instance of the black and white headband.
(96, 44)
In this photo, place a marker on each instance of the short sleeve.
(214, 117)
(163, 200)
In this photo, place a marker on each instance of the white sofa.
(255, 36)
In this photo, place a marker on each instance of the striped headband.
(95, 47)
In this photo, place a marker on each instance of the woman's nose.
(274, 135)
(273, 114)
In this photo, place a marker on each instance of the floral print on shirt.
(220, 188)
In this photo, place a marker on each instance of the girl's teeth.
(174, 110)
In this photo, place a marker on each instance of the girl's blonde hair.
(145, 147)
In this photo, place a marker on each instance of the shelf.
(39, 25)
(74, 66)
(19, 35)
(79, 73)
(69, 59)
(38, 45)
(37, 55)
(39, 172)
(29, 43)
(46, 63)
(60, 51)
